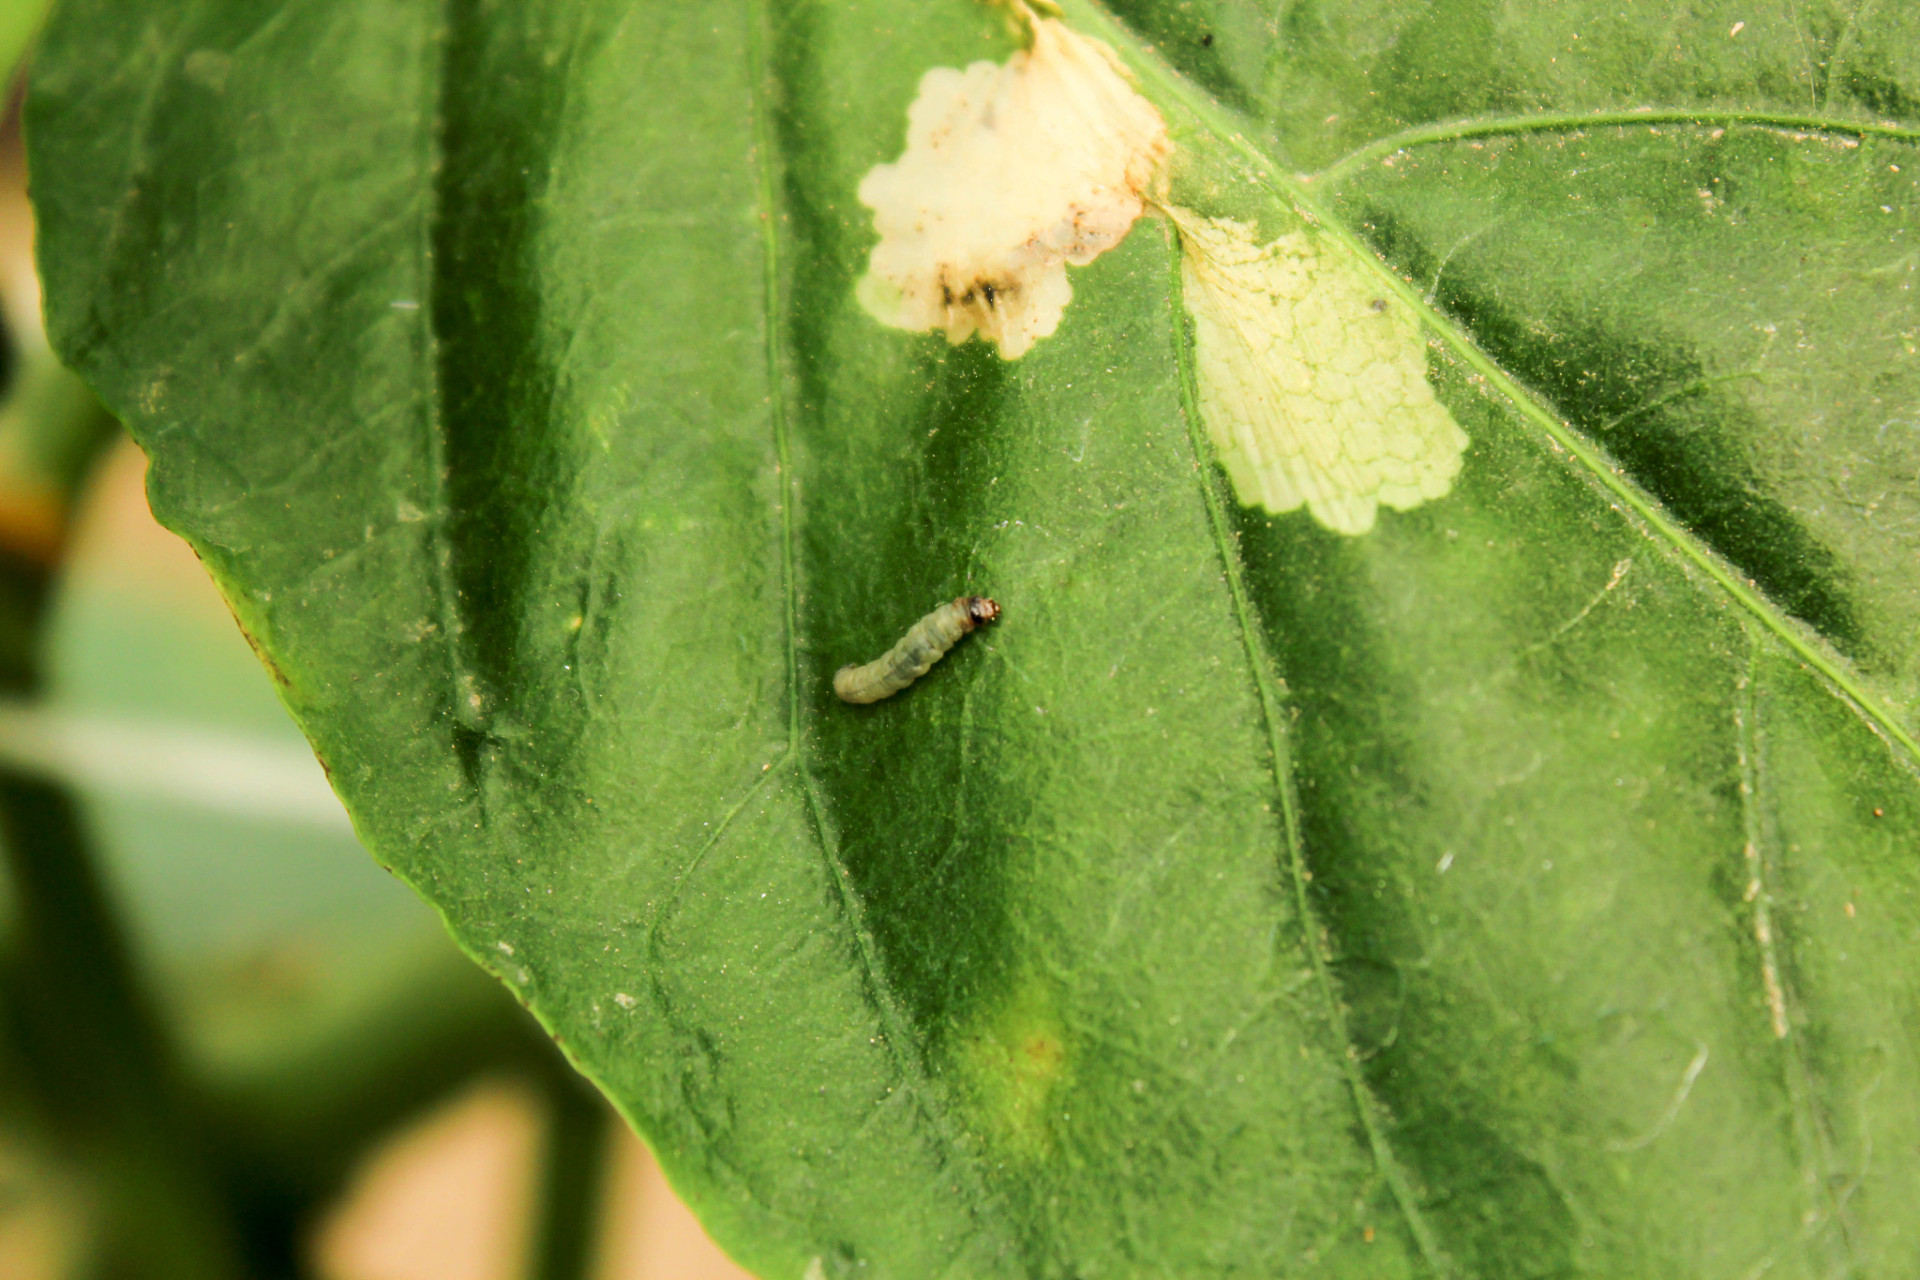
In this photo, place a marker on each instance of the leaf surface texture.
(1522, 888)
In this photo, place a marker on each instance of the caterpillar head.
(980, 610)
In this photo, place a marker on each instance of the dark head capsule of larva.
(980, 610)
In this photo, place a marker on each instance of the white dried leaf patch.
(1312, 384)
(1011, 172)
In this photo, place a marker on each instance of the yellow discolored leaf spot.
(1312, 384)
(1014, 1061)
(1010, 173)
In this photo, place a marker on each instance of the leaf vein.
(1260, 670)
(1629, 497)
(462, 687)
(1812, 1128)
(896, 1028)
(1555, 122)
(681, 878)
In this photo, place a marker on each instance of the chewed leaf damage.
(1312, 385)
(1011, 172)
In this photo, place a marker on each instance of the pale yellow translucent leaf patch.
(1313, 383)
(1010, 173)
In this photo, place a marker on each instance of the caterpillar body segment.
(925, 644)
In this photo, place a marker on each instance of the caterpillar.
(925, 644)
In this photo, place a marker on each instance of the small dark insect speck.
(1378, 304)
(1206, 41)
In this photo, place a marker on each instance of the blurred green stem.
(567, 1216)
(98, 1068)
(101, 1076)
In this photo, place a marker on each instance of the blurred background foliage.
(230, 1043)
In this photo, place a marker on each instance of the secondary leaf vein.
(1260, 669)
(1812, 1129)
(897, 1029)
(1296, 193)
(1561, 121)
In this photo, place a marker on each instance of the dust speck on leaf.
(1011, 172)
(1312, 386)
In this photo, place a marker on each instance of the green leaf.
(1522, 888)
(18, 21)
